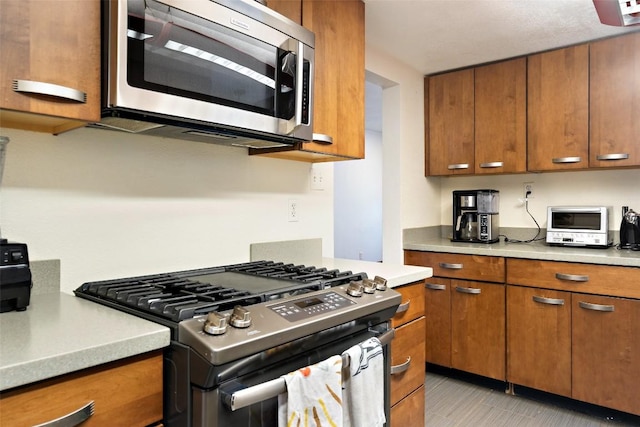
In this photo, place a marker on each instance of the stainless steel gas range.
(236, 329)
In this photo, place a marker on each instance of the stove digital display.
(308, 302)
(306, 308)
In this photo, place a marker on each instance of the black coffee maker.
(630, 229)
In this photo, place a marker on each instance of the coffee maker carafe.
(475, 216)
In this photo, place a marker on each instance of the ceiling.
(433, 36)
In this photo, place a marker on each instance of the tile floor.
(460, 400)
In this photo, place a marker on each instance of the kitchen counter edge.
(60, 333)
(396, 274)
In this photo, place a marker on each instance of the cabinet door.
(606, 351)
(338, 106)
(292, 9)
(478, 328)
(558, 109)
(539, 339)
(451, 118)
(500, 117)
(407, 360)
(615, 102)
(438, 316)
(409, 412)
(49, 43)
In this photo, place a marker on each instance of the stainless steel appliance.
(630, 229)
(232, 72)
(476, 216)
(15, 276)
(579, 226)
(236, 329)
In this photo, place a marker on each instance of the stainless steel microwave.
(579, 226)
(223, 71)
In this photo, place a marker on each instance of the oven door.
(207, 62)
(210, 407)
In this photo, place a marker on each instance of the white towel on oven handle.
(363, 385)
(313, 393)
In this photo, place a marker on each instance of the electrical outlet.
(317, 179)
(292, 210)
(528, 190)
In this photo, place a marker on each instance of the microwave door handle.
(296, 47)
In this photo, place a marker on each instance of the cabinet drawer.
(459, 266)
(575, 277)
(127, 393)
(412, 305)
(407, 356)
(409, 412)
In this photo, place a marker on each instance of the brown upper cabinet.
(615, 102)
(477, 120)
(558, 109)
(49, 64)
(338, 104)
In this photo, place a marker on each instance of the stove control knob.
(381, 283)
(216, 323)
(355, 289)
(368, 286)
(240, 318)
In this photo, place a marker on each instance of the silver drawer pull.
(458, 166)
(42, 88)
(550, 301)
(403, 307)
(566, 160)
(436, 287)
(572, 277)
(398, 369)
(321, 138)
(73, 419)
(474, 291)
(616, 156)
(595, 307)
(491, 165)
(450, 266)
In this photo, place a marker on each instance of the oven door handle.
(267, 390)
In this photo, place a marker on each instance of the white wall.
(603, 187)
(108, 204)
(409, 199)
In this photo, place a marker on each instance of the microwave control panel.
(565, 238)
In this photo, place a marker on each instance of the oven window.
(576, 220)
(174, 52)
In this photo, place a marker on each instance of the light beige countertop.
(425, 241)
(59, 333)
(396, 274)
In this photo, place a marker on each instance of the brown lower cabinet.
(125, 393)
(407, 359)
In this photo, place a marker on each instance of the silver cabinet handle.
(595, 307)
(398, 369)
(436, 287)
(403, 307)
(491, 165)
(450, 266)
(458, 166)
(572, 277)
(550, 301)
(616, 156)
(475, 291)
(71, 420)
(566, 160)
(42, 88)
(321, 138)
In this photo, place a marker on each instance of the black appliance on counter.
(236, 329)
(15, 276)
(476, 216)
(630, 229)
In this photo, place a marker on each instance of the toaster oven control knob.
(240, 318)
(381, 283)
(368, 286)
(355, 289)
(215, 324)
